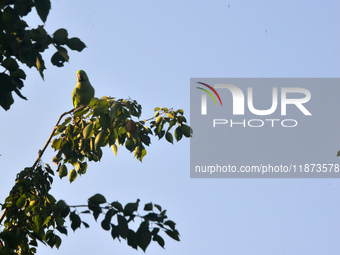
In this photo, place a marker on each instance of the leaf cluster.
(103, 122)
(117, 218)
(21, 44)
(33, 215)
(30, 215)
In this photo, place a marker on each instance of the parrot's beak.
(80, 77)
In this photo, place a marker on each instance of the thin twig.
(41, 152)
(171, 109)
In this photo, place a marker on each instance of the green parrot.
(83, 92)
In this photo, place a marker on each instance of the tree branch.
(41, 152)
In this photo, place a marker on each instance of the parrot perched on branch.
(83, 92)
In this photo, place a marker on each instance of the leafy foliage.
(33, 214)
(107, 122)
(19, 44)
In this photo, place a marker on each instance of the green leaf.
(148, 207)
(94, 101)
(338, 154)
(9, 16)
(85, 224)
(20, 203)
(81, 167)
(95, 208)
(63, 52)
(57, 59)
(171, 114)
(60, 36)
(154, 217)
(180, 111)
(114, 148)
(132, 239)
(62, 171)
(56, 143)
(88, 131)
(72, 175)
(62, 229)
(129, 144)
(170, 223)
(154, 231)
(62, 208)
(114, 231)
(122, 226)
(39, 34)
(181, 119)
(104, 121)
(22, 8)
(158, 207)
(10, 64)
(186, 131)
(143, 235)
(57, 241)
(117, 205)
(109, 214)
(178, 133)
(39, 63)
(79, 110)
(98, 110)
(97, 199)
(173, 234)
(20, 74)
(169, 137)
(158, 119)
(47, 220)
(131, 207)
(43, 8)
(75, 221)
(159, 240)
(157, 109)
(105, 225)
(75, 44)
(100, 139)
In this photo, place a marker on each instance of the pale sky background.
(148, 50)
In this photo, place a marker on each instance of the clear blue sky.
(149, 50)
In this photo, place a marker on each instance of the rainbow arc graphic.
(209, 93)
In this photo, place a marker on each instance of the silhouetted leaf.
(72, 175)
(173, 234)
(60, 36)
(132, 239)
(122, 226)
(75, 44)
(159, 240)
(148, 207)
(10, 64)
(169, 137)
(75, 221)
(97, 199)
(105, 225)
(143, 235)
(43, 7)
